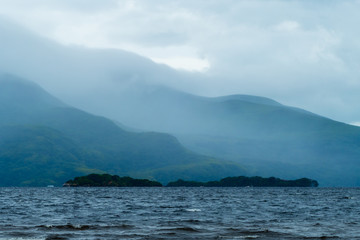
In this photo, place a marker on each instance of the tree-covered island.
(107, 180)
(247, 182)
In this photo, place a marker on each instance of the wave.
(323, 237)
(193, 210)
(79, 227)
(181, 229)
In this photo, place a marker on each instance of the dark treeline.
(107, 180)
(247, 181)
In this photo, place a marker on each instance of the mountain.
(269, 138)
(44, 141)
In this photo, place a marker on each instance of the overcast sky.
(301, 53)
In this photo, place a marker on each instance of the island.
(107, 180)
(242, 181)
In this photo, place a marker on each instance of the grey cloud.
(82, 77)
(73, 5)
(152, 39)
(315, 65)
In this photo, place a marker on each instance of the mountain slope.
(37, 156)
(271, 139)
(42, 137)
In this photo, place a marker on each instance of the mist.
(239, 109)
(284, 50)
(179, 119)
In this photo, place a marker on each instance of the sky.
(300, 53)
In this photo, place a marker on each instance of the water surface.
(179, 213)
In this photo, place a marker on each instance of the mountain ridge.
(257, 135)
(84, 143)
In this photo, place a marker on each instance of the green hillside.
(250, 135)
(37, 156)
(43, 141)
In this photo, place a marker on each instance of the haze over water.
(179, 213)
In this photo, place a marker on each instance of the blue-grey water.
(179, 213)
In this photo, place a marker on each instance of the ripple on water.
(174, 213)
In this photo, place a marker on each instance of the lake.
(179, 213)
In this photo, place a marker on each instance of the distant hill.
(269, 138)
(44, 141)
(265, 137)
(246, 98)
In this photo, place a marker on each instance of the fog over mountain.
(301, 53)
(44, 141)
(80, 76)
(236, 107)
